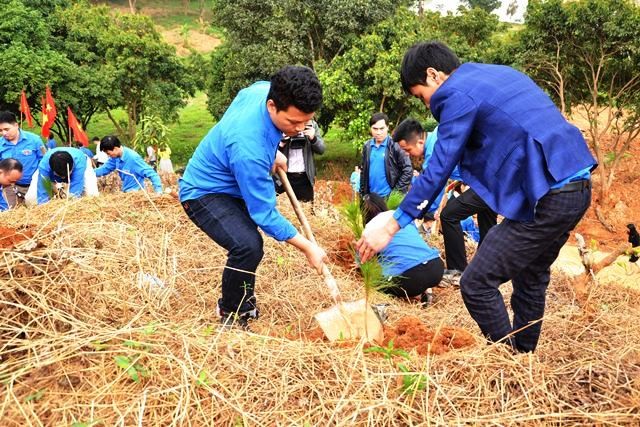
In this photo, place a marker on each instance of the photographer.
(301, 170)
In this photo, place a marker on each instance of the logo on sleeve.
(27, 152)
(423, 205)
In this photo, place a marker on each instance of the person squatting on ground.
(301, 168)
(27, 148)
(10, 173)
(63, 165)
(410, 136)
(522, 158)
(407, 261)
(385, 167)
(129, 165)
(227, 190)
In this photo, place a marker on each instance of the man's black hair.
(298, 86)
(376, 117)
(8, 117)
(109, 142)
(7, 165)
(95, 139)
(61, 164)
(408, 130)
(372, 205)
(420, 56)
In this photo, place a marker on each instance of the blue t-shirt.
(406, 250)
(51, 143)
(429, 145)
(377, 176)
(132, 170)
(3, 203)
(28, 150)
(235, 158)
(76, 181)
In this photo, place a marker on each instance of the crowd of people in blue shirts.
(47, 170)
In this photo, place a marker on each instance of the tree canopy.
(93, 59)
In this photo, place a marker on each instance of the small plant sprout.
(134, 370)
(203, 379)
(412, 382)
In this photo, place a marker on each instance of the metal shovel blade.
(351, 320)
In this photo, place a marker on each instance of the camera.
(296, 142)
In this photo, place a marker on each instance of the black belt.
(572, 187)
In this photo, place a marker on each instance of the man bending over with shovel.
(227, 190)
(522, 158)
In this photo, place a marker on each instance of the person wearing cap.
(523, 159)
(130, 166)
(24, 146)
(64, 165)
(10, 173)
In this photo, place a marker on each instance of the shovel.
(345, 320)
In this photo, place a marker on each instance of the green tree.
(596, 55)
(486, 5)
(261, 37)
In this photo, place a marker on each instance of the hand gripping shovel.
(345, 320)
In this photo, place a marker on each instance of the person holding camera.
(301, 169)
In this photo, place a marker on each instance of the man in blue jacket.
(10, 173)
(129, 165)
(65, 165)
(385, 167)
(26, 147)
(227, 190)
(522, 157)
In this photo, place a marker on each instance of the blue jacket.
(28, 150)
(86, 151)
(511, 141)
(132, 170)
(76, 181)
(235, 158)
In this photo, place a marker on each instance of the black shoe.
(426, 299)
(233, 320)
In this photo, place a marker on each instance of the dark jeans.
(463, 206)
(416, 280)
(523, 253)
(226, 220)
(300, 185)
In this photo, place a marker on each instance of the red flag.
(76, 127)
(48, 113)
(24, 109)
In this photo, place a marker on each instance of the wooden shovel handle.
(306, 229)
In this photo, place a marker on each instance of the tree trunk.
(132, 6)
(115, 123)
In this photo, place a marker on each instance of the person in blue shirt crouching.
(63, 165)
(227, 190)
(413, 266)
(129, 165)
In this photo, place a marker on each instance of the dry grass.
(71, 306)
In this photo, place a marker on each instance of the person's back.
(64, 165)
(506, 132)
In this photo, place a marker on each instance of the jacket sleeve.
(44, 183)
(364, 169)
(457, 113)
(106, 168)
(251, 171)
(148, 172)
(317, 146)
(406, 170)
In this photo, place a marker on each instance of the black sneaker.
(426, 299)
(233, 320)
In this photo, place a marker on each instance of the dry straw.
(111, 321)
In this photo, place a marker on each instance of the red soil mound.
(9, 237)
(411, 333)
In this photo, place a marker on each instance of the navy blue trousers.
(523, 253)
(226, 220)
